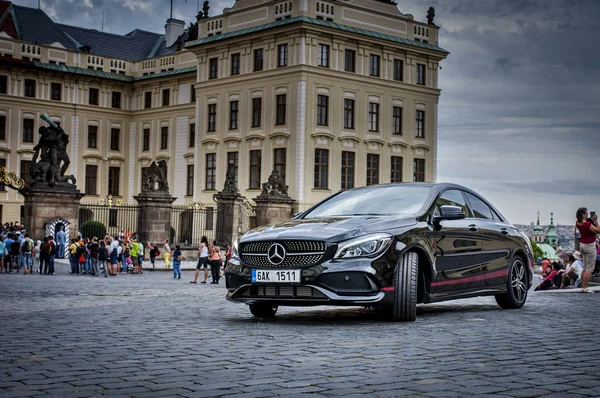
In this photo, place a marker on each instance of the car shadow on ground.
(342, 315)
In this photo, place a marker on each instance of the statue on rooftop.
(205, 9)
(430, 15)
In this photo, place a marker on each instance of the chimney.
(173, 29)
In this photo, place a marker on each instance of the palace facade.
(333, 94)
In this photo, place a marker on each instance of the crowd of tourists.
(18, 251)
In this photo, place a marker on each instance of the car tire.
(516, 286)
(263, 310)
(404, 307)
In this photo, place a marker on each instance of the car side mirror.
(450, 213)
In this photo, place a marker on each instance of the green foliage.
(172, 235)
(90, 229)
(537, 252)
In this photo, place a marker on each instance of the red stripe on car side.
(490, 275)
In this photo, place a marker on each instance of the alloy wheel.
(518, 282)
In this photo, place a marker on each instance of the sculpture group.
(154, 178)
(50, 159)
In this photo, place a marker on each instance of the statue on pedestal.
(230, 179)
(274, 187)
(50, 159)
(205, 8)
(430, 15)
(154, 178)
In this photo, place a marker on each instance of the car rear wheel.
(263, 310)
(404, 308)
(516, 293)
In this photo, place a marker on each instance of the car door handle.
(504, 231)
(473, 228)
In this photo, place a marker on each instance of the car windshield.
(384, 200)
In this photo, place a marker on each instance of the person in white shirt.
(572, 274)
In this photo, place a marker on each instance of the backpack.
(27, 246)
(80, 250)
(54, 249)
(114, 252)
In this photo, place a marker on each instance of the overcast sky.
(519, 114)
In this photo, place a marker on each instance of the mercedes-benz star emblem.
(276, 254)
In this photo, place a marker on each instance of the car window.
(480, 209)
(451, 197)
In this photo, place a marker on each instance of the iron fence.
(114, 219)
(190, 222)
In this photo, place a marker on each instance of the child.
(177, 263)
(154, 252)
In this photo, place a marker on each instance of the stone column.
(228, 216)
(44, 204)
(155, 216)
(270, 210)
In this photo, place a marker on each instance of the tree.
(90, 229)
(537, 252)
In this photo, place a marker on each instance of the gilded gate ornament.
(10, 179)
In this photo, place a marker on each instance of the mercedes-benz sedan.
(388, 246)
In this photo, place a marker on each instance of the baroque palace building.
(334, 94)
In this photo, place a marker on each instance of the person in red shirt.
(545, 264)
(588, 228)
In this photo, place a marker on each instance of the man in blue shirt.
(7, 260)
(61, 240)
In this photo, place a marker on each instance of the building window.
(419, 170)
(212, 117)
(372, 169)
(397, 120)
(347, 170)
(420, 125)
(192, 94)
(27, 130)
(2, 127)
(91, 179)
(164, 137)
(233, 158)
(115, 139)
(233, 114)
(30, 88)
(211, 171)
(421, 74)
(235, 64)
(256, 112)
(213, 68)
(55, 91)
(190, 180)
(321, 168)
(3, 84)
(396, 169)
(166, 94)
(94, 96)
(322, 109)
(146, 140)
(282, 51)
(373, 116)
(92, 136)
(350, 61)
(116, 99)
(281, 109)
(192, 137)
(280, 158)
(114, 175)
(349, 114)
(255, 163)
(374, 65)
(148, 99)
(399, 70)
(25, 170)
(258, 59)
(323, 56)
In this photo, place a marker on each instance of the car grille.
(282, 292)
(298, 253)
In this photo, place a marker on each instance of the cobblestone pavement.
(149, 335)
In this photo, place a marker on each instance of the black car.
(388, 246)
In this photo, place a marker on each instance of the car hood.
(328, 229)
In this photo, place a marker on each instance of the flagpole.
(171, 9)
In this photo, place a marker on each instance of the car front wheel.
(263, 310)
(516, 293)
(404, 308)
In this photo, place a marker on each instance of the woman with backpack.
(45, 257)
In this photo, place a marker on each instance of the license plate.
(276, 276)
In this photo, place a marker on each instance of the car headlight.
(234, 250)
(365, 246)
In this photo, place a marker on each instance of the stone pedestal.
(272, 210)
(155, 216)
(229, 214)
(44, 203)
